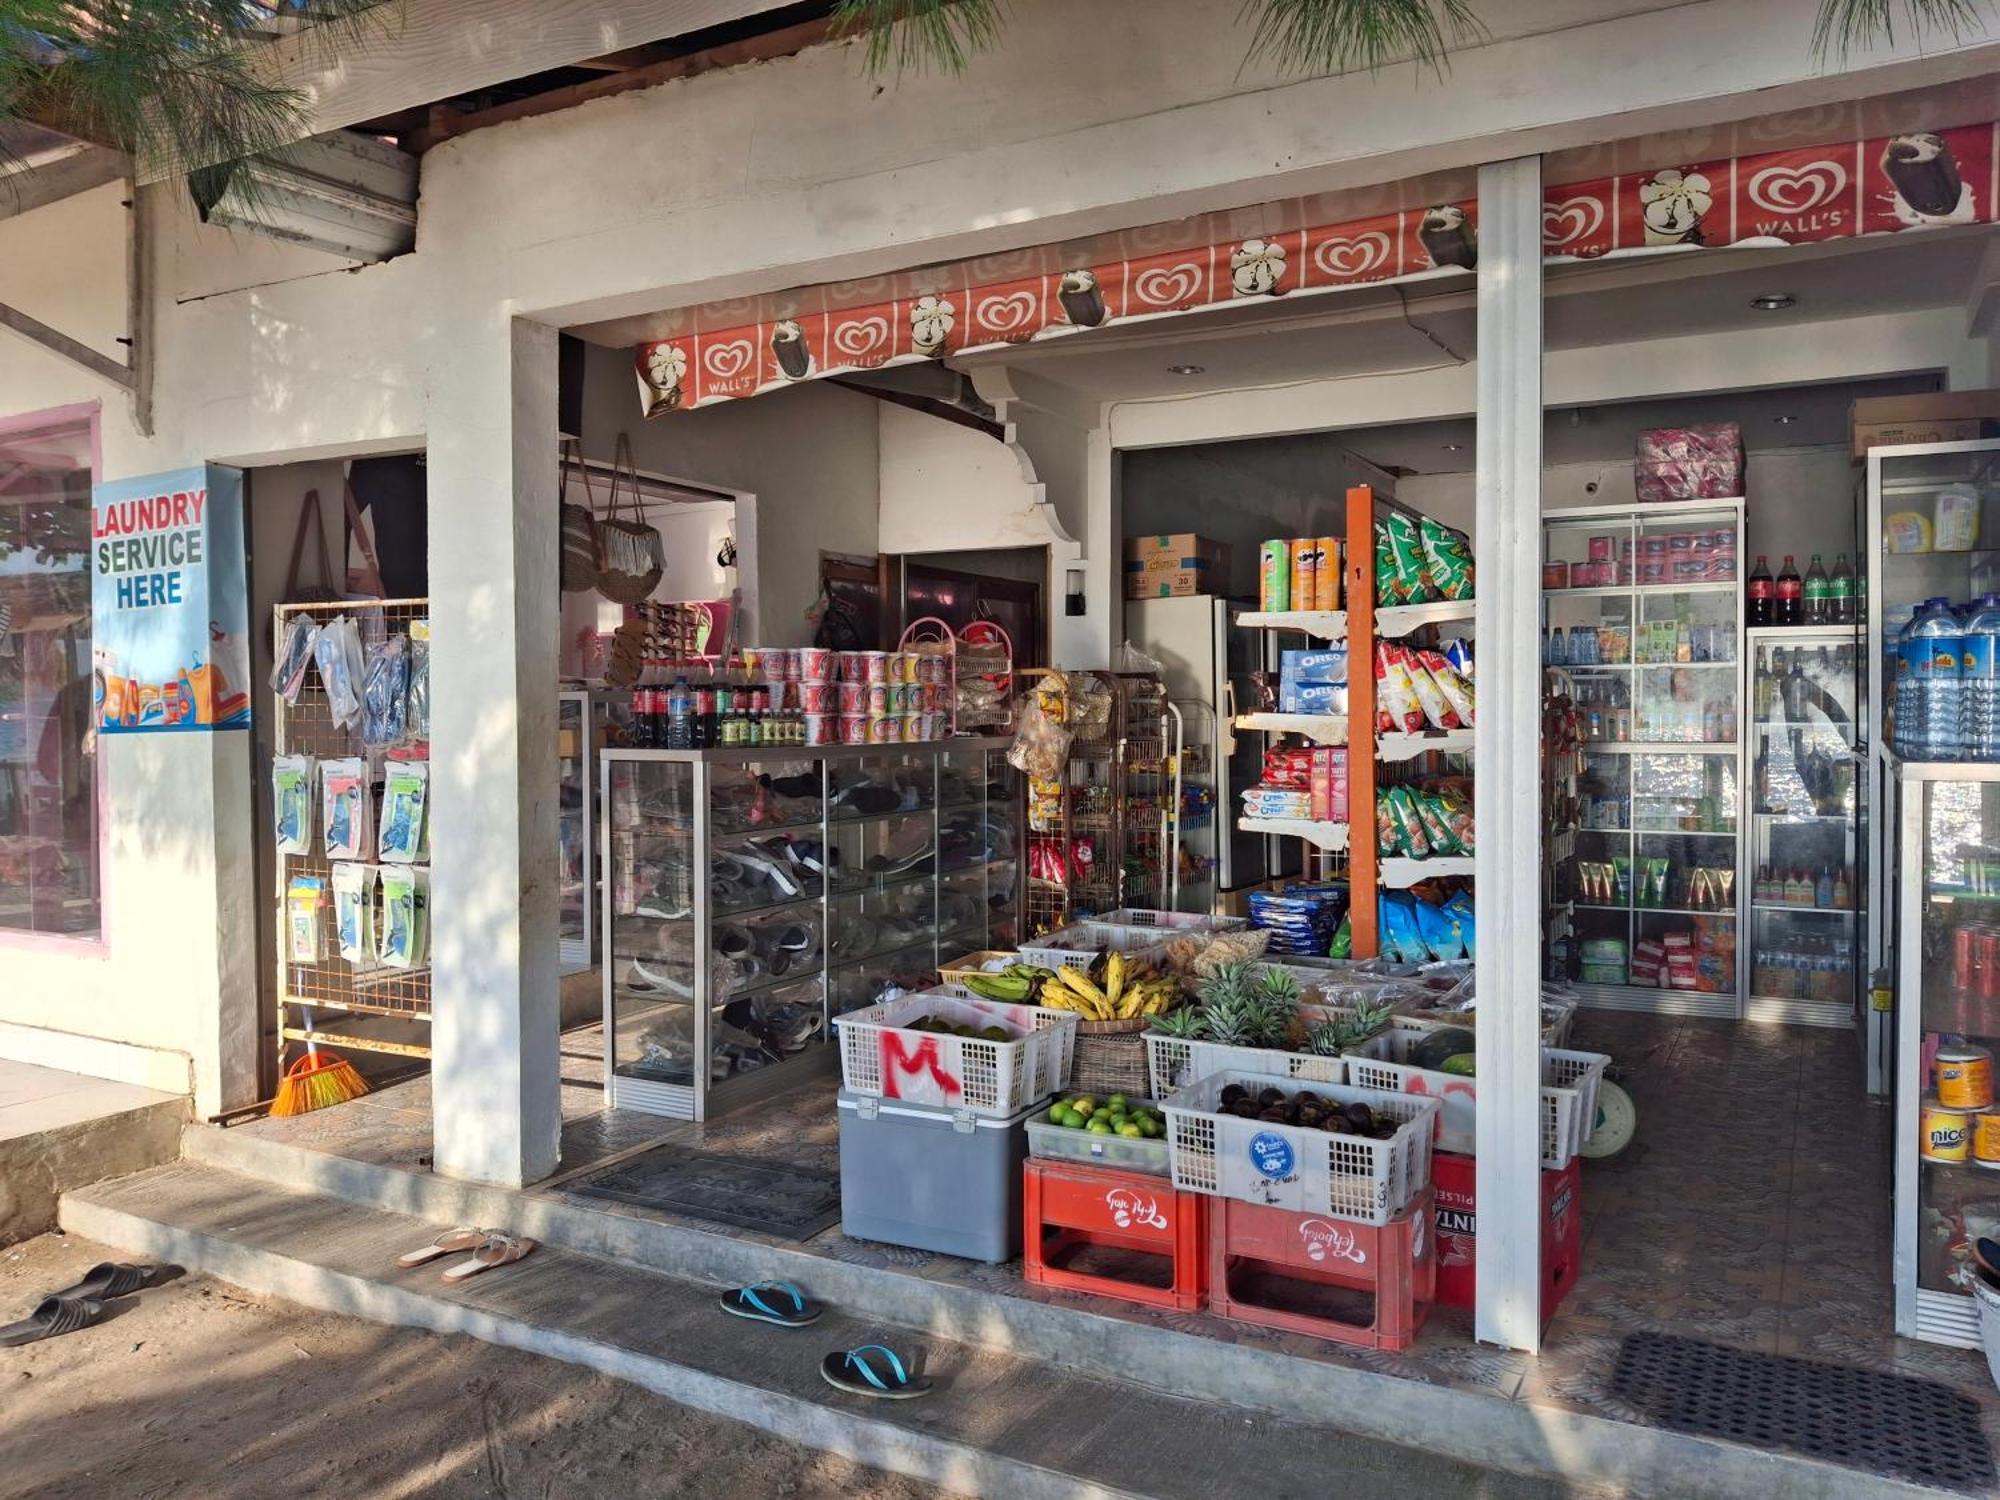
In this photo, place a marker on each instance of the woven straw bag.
(580, 555)
(632, 558)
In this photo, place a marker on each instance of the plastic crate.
(1116, 1152)
(1174, 1062)
(975, 963)
(1069, 1207)
(1569, 1094)
(1394, 1263)
(880, 1056)
(1296, 1168)
(1134, 926)
(1077, 947)
(1455, 1197)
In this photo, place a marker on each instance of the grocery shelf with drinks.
(1642, 635)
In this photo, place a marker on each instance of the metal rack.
(357, 1000)
(1193, 825)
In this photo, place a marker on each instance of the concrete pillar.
(493, 581)
(1507, 758)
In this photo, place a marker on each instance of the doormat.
(789, 1202)
(1900, 1425)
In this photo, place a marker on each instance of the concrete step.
(1087, 1334)
(998, 1424)
(62, 1130)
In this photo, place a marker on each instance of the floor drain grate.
(1897, 1425)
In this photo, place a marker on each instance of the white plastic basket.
(1138, 924)
(880, 1056)
(1292, 1166)
(1077, 947)
(1175, 1062)
(1569, 1093)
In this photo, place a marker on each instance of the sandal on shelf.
(113, 1278)
(449, 1243)
(785, 1305)
(855, 1373)
(496, 1250)
(52, 1317)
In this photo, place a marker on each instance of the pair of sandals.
(490, 1250)
(81, 1305)
(873, 1370)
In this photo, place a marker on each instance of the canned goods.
(1986, 1139)
(1986, 962)
(1600, 549)
(854, 729)
(1274, 576)
(1965, 958)
(1304, 552)
(1965, 1077)
(1946, 1133)
(1327, 580)
(1555, 575)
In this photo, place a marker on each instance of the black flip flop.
(114, 1278)
(785, 1305)
(850, 1371)
(54, 1317)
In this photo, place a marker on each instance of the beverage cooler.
(1947, 1025)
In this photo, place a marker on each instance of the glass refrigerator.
(1804, 865)
(1643, 629)
(1948, 1023)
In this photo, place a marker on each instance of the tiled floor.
(1752, 1210)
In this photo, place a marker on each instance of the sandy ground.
(197, 1389)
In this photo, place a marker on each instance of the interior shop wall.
(946, 487)
(810, 455)
(692, 535)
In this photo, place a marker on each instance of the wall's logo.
(1573, 219)
(862, 339)
(1009, 313)
(1355, 256)
(1325, 1241)
(727, 359)
(1169, 286)
(1129, 1208)
(1790, 191)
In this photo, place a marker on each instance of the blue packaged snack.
(1459, 654)
(1400, 940)
(1314, 666)
(1460, 907)
(1440, 932)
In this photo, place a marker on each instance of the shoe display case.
(753, 895)
(587, 720)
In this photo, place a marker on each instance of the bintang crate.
(881, 1056)
(1296, 1167)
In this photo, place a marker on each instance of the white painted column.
(494, 598)
(1507, 760)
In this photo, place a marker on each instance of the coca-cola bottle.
(1763, 594)
(1791, 594)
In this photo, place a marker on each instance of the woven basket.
(1110, 1059)
(631, 558)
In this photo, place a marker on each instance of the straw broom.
(317, 1080)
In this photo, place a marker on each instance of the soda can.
(1274, 576)
(1304, 570)
(1986, 962)
(1329, 575)
(1965, 959)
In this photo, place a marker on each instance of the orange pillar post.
(1361, 859)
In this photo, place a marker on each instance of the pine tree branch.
(1844, 25)
(1338, 36)
(907, 35)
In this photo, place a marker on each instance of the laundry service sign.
(169, 603)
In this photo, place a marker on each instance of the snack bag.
(354, 913)
(1342, 945)
(1388, 830)
(1455, 806)
(1409, 823)
(1457, 690)
(1436, 826)
(1397, 917)
(292, 802)
(1448, 554)
(1440, 932)
(1385, 567)
(1459, 654)
(1438, 713)
(406, 834)
(1460, 907)
(1397, 710)
(1410, 578)
(345, 804)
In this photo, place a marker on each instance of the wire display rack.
(331, 988)
(1144, 790)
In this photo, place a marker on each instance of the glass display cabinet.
(1642, 628)
(1805, 864)
(756, 894)
(587, 721)
(1948, 1023)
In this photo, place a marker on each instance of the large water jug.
(1928, 723)
(1979, 679)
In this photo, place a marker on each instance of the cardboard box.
(1936, 417)
(1174, 567)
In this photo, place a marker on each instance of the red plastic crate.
(1452, 1180)
(1067, 1206)
(1396, 1262)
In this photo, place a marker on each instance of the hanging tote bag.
(580, 549)
(297, 592)
(633, 556)
(364, 579)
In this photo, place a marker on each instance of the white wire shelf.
(1321, 729)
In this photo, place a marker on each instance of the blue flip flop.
(854, 1373)
(751, 1302)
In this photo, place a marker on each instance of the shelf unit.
(1681, 782)
(1359, 626)
(1194, 823)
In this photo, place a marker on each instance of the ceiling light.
(1774, 301)
(1452, 447)
(1784, 421)
(1186, 369)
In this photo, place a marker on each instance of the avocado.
(1447, 1042)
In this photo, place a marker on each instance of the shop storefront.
(690, 818)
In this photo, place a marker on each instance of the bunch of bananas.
(1128, 990)
(1017, 984)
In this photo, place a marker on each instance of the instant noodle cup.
(753, 658)
(874, 666)
(918, 727)
(930, 667)
(818, 697)
(854, 697)
(781, 664)
(814, 664)
(902, 666)
(822, 729)
(854, 729)
(883, 730)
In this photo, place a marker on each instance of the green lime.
(1084, 1108)
(1132, 1132)
(1117, 1101)
(1099, 1127)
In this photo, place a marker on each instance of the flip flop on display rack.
(776, 1302)
(872, 1370)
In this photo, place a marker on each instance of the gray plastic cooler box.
(932, 1178)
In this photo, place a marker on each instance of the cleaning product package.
(345, 805)
(354, 887)
(404, 941)
(406, 835)
(305, 898)
(292, 802)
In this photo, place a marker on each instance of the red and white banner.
(1794, 196)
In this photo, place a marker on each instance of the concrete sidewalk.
(62, 1130)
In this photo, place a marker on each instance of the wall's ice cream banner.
(169, 610)
(1796, 195)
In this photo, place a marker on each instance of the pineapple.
(1277, 999)
(1230, 1002)
(1333, 1037)
(1186, 1024)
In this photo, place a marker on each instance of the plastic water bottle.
(1979, 666)
(1928, 682)
(680, 715)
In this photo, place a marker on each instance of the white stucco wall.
(721, 185)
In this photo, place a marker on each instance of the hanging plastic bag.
(405, 811)
(1041, 745)
(385, 692)
(406, 920)
(305, 896)
(337, 653)
(417, 716)
(345, 802)
(288, 673)
(292, 783)
(354, 913)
